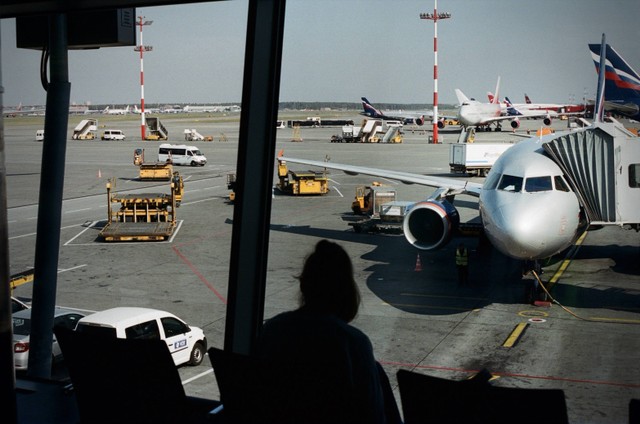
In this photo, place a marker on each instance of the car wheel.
(197, 354)
(193, 163)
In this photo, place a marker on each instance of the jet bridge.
(603, 165)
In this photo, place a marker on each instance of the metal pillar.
(50, 201)
(256, 155)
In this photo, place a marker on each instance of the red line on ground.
(199, 274)
(506, 374)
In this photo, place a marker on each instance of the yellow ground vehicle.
(231, 185)
(152, 170)
(369, 199)
(143, 216)
(301, 183)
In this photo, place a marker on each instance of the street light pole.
(435, 17)
(142, 48)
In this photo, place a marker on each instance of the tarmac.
(586, 342)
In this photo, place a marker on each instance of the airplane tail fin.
(461, 97)
(527, 100)
(490, 96)
(621, 83)
(496, 97)
(507, 101)
(369, 110)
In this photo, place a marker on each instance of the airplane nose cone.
(528, 231)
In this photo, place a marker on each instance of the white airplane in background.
(109, 111)
(533, 204)
(21, 111)
(473, 113)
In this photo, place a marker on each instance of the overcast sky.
(341, 50)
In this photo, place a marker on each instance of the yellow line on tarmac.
(515, 335)
(565, 263)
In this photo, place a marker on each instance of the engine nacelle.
(429, 225)
(419, 120)
(515, 123)
(547, 121)
(441, 123)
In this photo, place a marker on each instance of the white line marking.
(202, 374)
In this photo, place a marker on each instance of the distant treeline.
(357, 106)
(302, 105)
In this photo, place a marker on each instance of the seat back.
(427, 399)
(122, 380)
(242, 387)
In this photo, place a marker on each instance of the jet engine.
(429, 224)
(441, 123)
(547, 121)
(419, 120)
(515, 123)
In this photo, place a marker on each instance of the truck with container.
(475, 158)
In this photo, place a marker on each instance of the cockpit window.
(510, 183)
(561, 184)
(535, 184)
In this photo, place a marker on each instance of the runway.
(417, 319)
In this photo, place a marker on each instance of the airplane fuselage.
(474, 113)
(527, 208)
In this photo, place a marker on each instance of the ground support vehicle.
(155, 129)
(152, 170)
(383, 213)
(142, 216)
(113, 135)
(85, 130)
(231, 185)
(186, 344)
(301, 183)
(192, 135)
(475, 158)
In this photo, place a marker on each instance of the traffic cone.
(99, 174)
(418, 264)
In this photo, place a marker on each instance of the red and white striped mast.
(142, 48)
(435, 17)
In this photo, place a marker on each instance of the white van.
(113, 135)
(186, 344)
(40, 135)
(181, 154)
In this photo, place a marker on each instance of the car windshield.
(21, 326)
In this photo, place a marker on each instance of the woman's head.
(327, 284)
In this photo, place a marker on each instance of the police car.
(187, 344)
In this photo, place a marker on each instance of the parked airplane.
(622, 83)
(473, 113)
(540, 195)
(109, 111)
(372, 112)
(20, 111)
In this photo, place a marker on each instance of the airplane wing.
(446, 186)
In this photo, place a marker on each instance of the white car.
(186, 344)
(62, 317)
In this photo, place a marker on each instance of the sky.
(341, 50)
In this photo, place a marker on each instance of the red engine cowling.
(419, 120)
(429, 225)
(515, 123)
(441, 123)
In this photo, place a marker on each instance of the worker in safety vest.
(462, 263)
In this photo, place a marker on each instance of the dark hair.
(327, 284)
